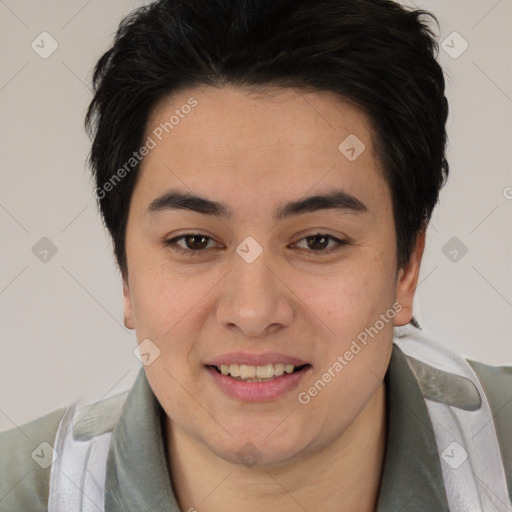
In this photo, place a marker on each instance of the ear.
(407, 281)
(128, 310)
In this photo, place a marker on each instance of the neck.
(343, 476)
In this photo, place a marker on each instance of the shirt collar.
(137, 474)
(412, 476)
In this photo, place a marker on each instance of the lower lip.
(257, 391)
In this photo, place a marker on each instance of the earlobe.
(128, 312)
(408, 280)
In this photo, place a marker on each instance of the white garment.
(471, 463)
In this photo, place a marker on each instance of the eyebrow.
(338, 200)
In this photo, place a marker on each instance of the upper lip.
(249, 359)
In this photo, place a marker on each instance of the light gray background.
(61, 322)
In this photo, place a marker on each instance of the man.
(267, 171)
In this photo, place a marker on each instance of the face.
(255, 283)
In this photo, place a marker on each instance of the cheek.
(169, 309)
(355, 344)
(351, 297)
(162, 295)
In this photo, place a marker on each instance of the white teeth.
(234, 370)
(278, 369)
(247, 372)
(265, 372)
(256, 373)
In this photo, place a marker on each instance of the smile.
(262, 373)
(257, 383)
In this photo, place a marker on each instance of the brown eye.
(319, 243)
(191, 243)
(196, 242)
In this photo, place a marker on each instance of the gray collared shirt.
(137, 476)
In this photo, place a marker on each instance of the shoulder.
(25, 463)
(26, 452)
(497, 384)
(493, 376)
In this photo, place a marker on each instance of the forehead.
(276, 142)
(291, 117)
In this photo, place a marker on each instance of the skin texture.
(255, 152)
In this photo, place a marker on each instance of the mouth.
(263, 373)
(263, 383)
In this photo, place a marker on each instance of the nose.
(255, 298)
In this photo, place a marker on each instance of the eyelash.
(172, 244)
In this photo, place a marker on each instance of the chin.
(252, 457)
(257, 448)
